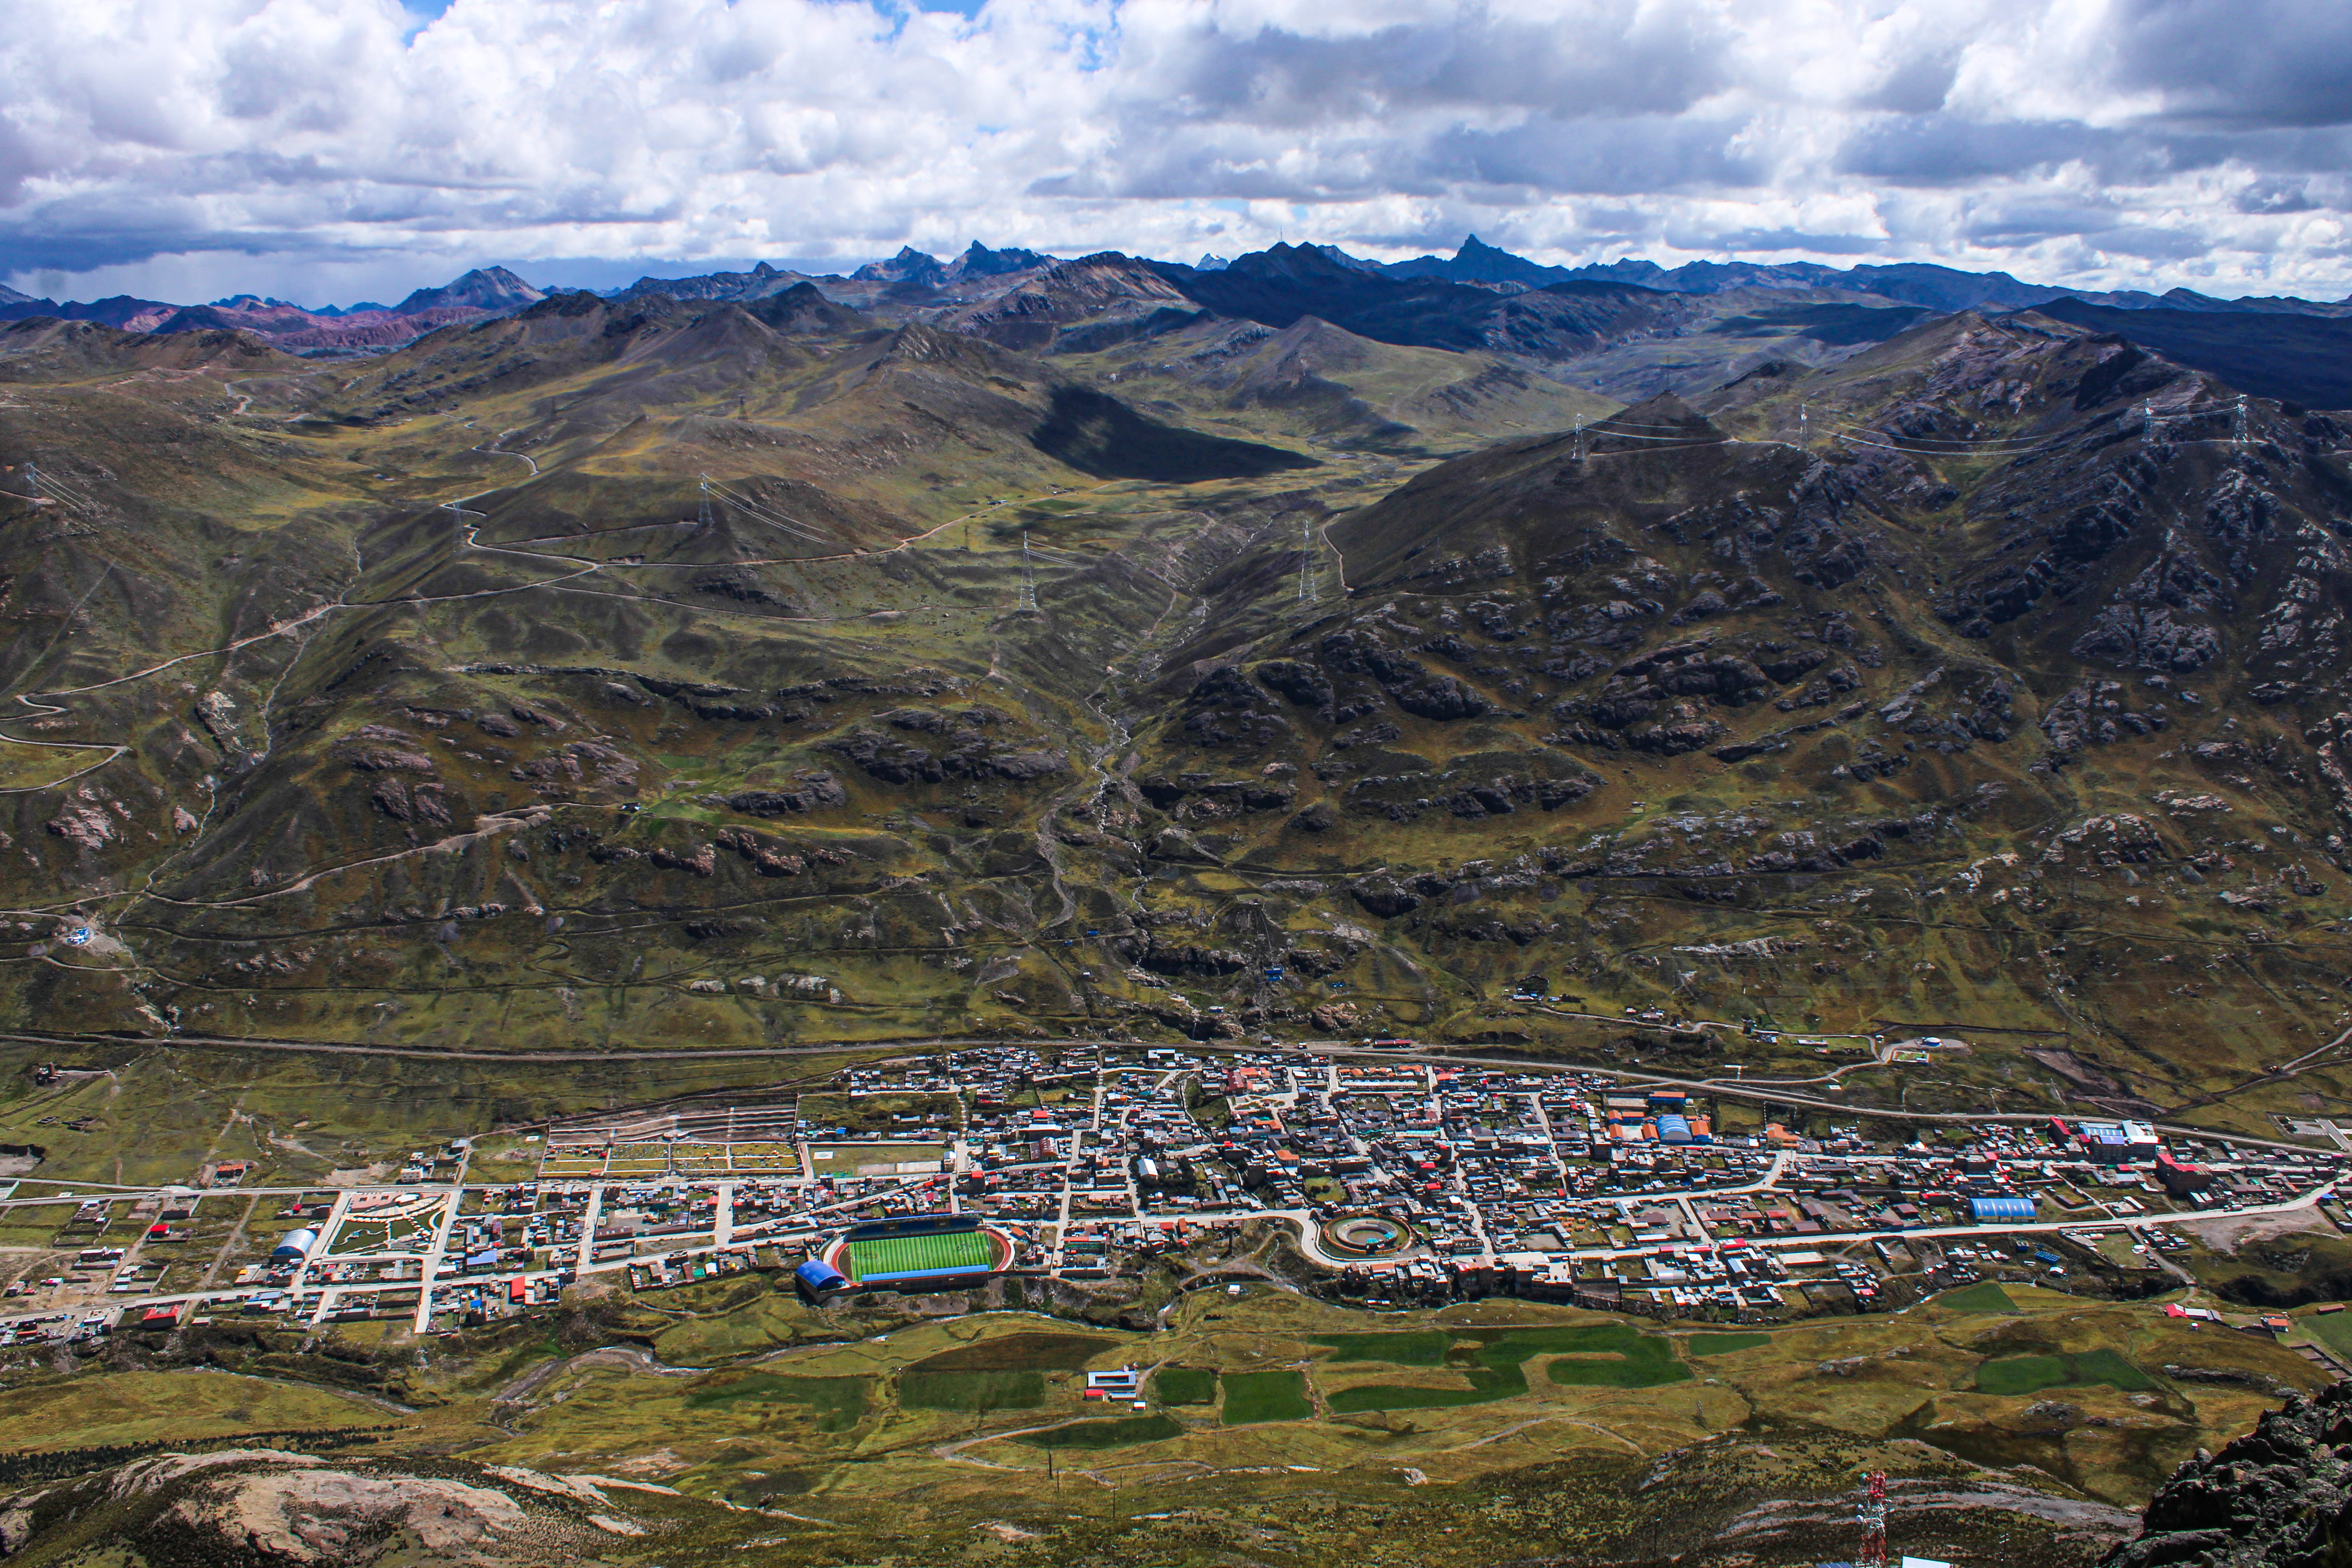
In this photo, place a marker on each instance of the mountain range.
(1408, 303)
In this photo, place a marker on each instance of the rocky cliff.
(2280, 1497)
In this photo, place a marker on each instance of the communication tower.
(1870, 1515)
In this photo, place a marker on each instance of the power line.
(1028, 577)
(758, 512)
(56, 489)
(1307, 594)
(1688, 436)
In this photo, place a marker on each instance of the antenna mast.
(1870, 1515)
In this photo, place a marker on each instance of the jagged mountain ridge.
(1918, 283)
(917, 281)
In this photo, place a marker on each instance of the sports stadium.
(920, 1252)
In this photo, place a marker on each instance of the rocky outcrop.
(1302, 683)
(401, 802)
(767, 859)
(1226, 709)
(590, 763)
(2280, 1497)
(699, 860)
(2095, 714)
(810, 792)
(895, 760)
(1160, 956)
(82, 821)
(2132, 639)
(264, 1506)
(1385, 895)
(1200, 797)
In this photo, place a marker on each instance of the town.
(1397, 1179)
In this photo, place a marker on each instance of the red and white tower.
(1870, 1515)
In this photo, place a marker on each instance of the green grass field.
(971, 1390)
(1396, 1349)
(1021, 1352)
(1987, 1297)
(1254, 1396)
(1495, 1369)
(2030, 1374)
(889, 1254)
(1184, 1385)
(837, 1402)
(2333, 1330)
(1116, 1434)
(1726, 1344)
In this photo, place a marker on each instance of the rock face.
(2280, 1497)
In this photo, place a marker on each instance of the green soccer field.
(913, 1254)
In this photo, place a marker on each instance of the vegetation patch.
(1492, 1364)
(2085, 1369)
(1639, 1360)
(1726, 1344)
(147, 1407)
(1987, 1297)
(2333, 1330)
(1395, 1349)
(1254, 1396)
(1018, 1353)
(836, 1402)
(1184, 1385)
(970, 1391)
(1120, 1433)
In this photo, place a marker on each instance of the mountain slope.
(1980, 674)
(1279, 286)
(483, 289)
(2301, 359)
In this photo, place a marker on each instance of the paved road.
(1304, 1221)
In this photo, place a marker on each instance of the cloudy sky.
(330, 149)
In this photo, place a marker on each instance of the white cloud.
(309, 147)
